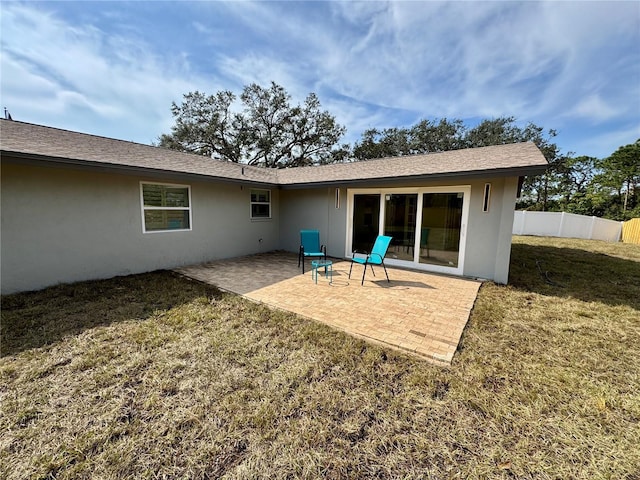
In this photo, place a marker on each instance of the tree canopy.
(429, 136)
(261, 127)
(268, 131)
(620, 174)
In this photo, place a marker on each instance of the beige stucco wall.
(313, 209)
(488, 239)
(488, 248)
(60, 225)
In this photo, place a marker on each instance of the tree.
(390, 142)
(341, 154)
(621, 172)
(575, 179)
(205, 125)
(547, 185)
(268, 131)
(497, 131)
(426, 136)
(431, 136)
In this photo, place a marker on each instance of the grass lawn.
(155, 376)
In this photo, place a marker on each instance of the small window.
(487, 197)
(165, 207)
(260, 204)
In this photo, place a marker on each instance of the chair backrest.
(310, 240)
(424, 237)
(380, 247)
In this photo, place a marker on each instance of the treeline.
(602, 187)
(261, 127)
(584, 185)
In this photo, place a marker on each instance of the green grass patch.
(156, 376)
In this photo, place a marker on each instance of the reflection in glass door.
(366, 221)
(441, 229)
(400, 212)
(428, 225)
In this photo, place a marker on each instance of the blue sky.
(113, 68)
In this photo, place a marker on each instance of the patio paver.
(418, 312)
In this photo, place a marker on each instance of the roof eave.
(493, 173)
(49, 161)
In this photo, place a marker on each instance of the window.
(260, 204)
(165, 207)
(487, 197)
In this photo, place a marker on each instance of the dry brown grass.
(155, 376)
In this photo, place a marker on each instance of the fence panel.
(568, 225)
(576, 226)
(631, 231)
(606, 230)
(543, 224)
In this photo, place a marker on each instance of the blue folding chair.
(310, 246)
(376, 257)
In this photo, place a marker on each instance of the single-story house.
(78, 207)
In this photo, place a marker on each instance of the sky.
(114, 68)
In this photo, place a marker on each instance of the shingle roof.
(37, 142)
(499, 159)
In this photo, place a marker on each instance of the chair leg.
(364, 272)
(385, 272)
(350, 268)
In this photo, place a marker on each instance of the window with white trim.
(260, 203)
(165, 207)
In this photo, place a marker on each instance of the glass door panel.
(366, 221)
(400, 212)
(441, 229)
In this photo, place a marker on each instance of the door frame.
(415, 264)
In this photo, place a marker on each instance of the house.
(78, 207)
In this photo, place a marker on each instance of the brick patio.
(417, 312)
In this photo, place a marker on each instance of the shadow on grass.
(41, 318)
(576, 273)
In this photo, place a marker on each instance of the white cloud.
(54, 70)
(593, 108)
(475, 59)
(373, 64)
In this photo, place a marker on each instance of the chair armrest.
(377, 255)
(357, 252)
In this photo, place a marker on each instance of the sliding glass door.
(428, 225)
(400, 214)
(441, 228)
(366, 221)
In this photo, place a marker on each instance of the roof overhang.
(22, 158)
(61, 162)
(471, 175)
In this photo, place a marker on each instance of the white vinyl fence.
(568, 225)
